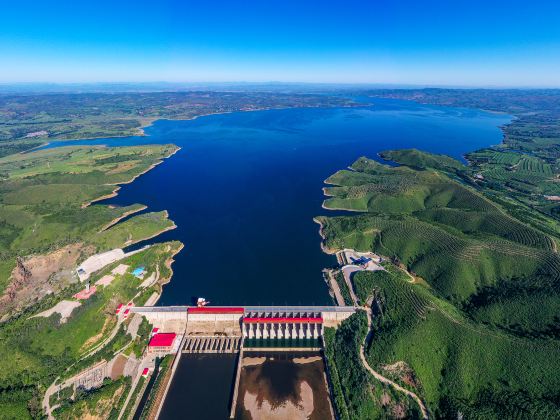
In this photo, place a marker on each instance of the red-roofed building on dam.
(162, 343)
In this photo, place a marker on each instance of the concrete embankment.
(236, 384)
(161, 392)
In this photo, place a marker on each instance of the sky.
(421, 42)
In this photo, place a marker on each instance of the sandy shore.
(309, 359)
(253, 361)
(263, 409)
(341, 209)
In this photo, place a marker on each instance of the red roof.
(162, 340)
(314, 320)
(214, 310)
(85, 294)
(145, 372)
(155, 330)
(120, 306)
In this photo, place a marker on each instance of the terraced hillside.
(525, 169)
(480, 326)
(455, 364)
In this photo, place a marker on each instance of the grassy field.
(44, 198)
(478, 335)
(48, 224)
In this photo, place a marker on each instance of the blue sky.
(451, 42)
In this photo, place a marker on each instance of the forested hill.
(527, 163)
(476, 333)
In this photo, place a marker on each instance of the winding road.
(348, 270)
(382, 378)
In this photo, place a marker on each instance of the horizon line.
(377, 85)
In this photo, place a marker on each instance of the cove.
(244, 188)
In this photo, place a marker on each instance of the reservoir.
(243, 191)
(244, 188)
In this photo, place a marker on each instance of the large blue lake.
(244, 189)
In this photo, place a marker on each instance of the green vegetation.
(344, 291)
(463, 244)
(140, 387)
(357, 395)
(524, 169)
(48, 226)
(44, 199)
(104, 401)
(35, 350)
(162, 368)
(456, 364)
(22, 403)
(28, 120)
(142, 338)
(477, 331)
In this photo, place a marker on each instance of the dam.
(248, 322)
(232, 338)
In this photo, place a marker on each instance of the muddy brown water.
(281, 385)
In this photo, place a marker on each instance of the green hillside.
(460, 365)
(479, 330)
(45, 197)
(48, 226)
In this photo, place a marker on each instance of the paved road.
(335, 288)
(347, 272)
